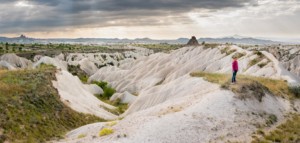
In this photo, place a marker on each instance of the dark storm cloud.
(119, 5)
(46, 15)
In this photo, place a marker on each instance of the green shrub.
(106, 131)
(101, 84)
(76, 71)
(260, 54)
(271, 119)
(295, 90)
(253, 62)
(261, 65)
(108, 91)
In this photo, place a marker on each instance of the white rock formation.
(125, 97)
(87, 66)
(16, 61)
(174, 107)
(52, 61)
(74, 94)
(200, 112)
(6, 65)
(161, 68)
(93, 88)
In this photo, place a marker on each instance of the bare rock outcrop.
(193, 41)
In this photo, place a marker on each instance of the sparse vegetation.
(210, 45)
(106, 131)
(30, 50)
(253, 62)
(76, 71)
(81, 136)
(288, 132)
(295, 90)
(276, 87)
(260, 57)
(121, 107)
(271, 119)
(238, 55)
(212, 77)
(229, 51)
(163, 47)
(261, 65)
(111, 123)
(224, 50)
(108, 91)
(31, 110)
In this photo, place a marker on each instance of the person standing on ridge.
(235, 69)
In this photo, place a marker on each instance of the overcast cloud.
(206, 16)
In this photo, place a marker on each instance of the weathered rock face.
(193, 41)
(16, 61)
(289, 57)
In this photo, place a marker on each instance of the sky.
(156, 19)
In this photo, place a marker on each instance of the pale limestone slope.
(77, 96)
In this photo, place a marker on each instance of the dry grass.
(288, 132)
(210, 45)
(276, 87)
(212, 77)
(238, 55)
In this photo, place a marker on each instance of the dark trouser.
(234, 76)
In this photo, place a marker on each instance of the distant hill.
(234, 39)
(249, 41)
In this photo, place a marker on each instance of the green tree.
(6, 46)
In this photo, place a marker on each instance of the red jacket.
(235, 66)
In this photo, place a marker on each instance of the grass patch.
(121, 107)
(163, 47)
(111, 123)
(81, 136)
(108, 91)
(76, 71)
(272, 119)
(253, 62)
(31, 109)
(261, 65)
(212, 77)
(106, 131)
(276, 87)
(210, 45)
(224, 50)
(288, 132)
(260, 57)
(238, 55)
(295, 90)
(227, 51)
